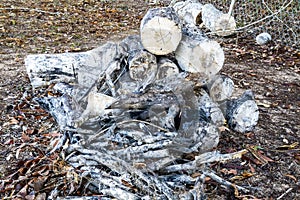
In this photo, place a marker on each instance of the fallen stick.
(223, 182)
(285, 193)
(204, 158)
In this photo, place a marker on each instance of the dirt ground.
(271, 169)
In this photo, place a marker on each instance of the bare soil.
(271, 169)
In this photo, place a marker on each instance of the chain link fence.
(281, 18)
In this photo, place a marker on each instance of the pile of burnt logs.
(142, 115)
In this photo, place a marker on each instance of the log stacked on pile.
(134, 109)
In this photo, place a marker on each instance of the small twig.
(258, 21)
(215, 156)
(231, 7)
(32, 9)
(267, 17)
(263, 1)
(204, 158)
(285, 193)
(223, 182)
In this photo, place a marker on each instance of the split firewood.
(220, 88)
(161, 31)
(142, 68)
(217, 22)
(197, 54)
(166, 68)
(242, 113)
(189, 11)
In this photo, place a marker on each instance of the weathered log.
(130, 44)
(166, 68)
(142, 68)
(242, 113)
(82, 68)
(160, 31)
(216, 21)
(189, 11)
(197, 54)
(220, 88)
(63, 109)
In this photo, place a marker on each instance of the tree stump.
(160, 31)
(197, 54)
(219, 23)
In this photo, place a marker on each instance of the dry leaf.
(290, 146)
(291, 176)
(252, 168)
(223, 128)
(25, 138)
(228, 172)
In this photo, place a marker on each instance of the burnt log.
(82, 69)
(142, 68)
(160, 31)
(209, 110)
(220, 88)
(166, 68)
(242, 113)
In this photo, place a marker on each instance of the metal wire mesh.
(281, 18)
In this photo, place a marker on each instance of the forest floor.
(271, 71)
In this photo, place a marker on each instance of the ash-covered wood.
(209, 110)
(216, 21)
(142, 68)
(242, 113)
(141, 116)
(220, 88)
(160, 31)
(166, 68)
(189, 11)
(197, 54)
(83, 69)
